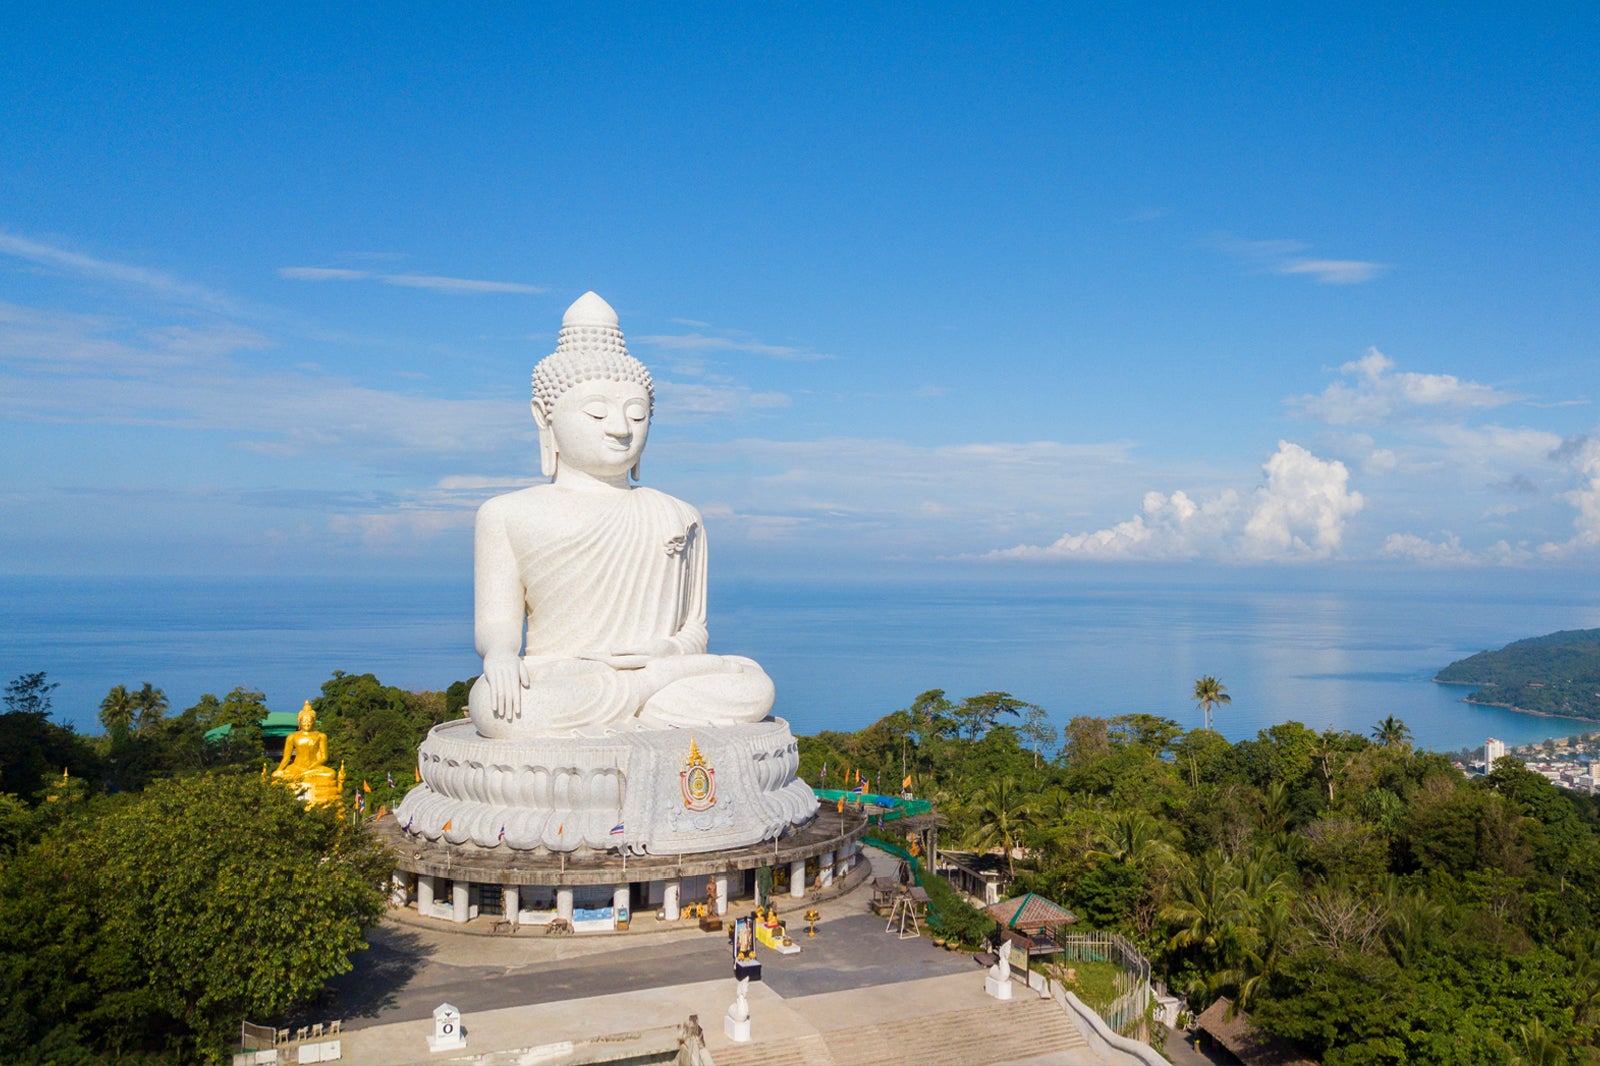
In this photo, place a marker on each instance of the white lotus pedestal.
(660, 792)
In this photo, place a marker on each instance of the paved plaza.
(855, 993)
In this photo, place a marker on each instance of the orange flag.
(841, 804)
(447, 826)
(365, 787)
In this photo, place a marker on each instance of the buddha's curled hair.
(587, 353)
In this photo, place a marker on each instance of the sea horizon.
(1290, 646)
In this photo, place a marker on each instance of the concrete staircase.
(1021, 1028)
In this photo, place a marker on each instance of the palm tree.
(1391, 732)
(1210, 693)
(150, 706)
(1209, 912)
(1134, 838)
(1000, 811)
(117, 709)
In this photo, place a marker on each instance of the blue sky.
(1006, 287)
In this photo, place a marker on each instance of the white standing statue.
(591, 591)
(998, 980)
(736, 1024)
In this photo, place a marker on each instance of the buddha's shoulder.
(533, 498)
(656, 500)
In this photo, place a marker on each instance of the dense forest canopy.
(1558, 673)
(1359, 897)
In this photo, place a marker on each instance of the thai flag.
(861, 787)
(389, 778)
(502, 835)
(824, 774)
(616, 830)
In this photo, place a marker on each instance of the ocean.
(842, 654)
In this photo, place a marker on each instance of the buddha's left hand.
(638, 658)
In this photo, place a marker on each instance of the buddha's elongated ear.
(549, 456)
(634, 473)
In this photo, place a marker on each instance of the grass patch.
(1097, 983)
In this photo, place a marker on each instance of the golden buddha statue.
(305, 762)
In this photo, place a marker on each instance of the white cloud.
(1333, 271)
(436, 282)
(1303, 507)
(1282, 257)
(1411, 548)
(1584, 454)
(1298, 513)
(680, 401)
(85, 369)
(105, 270)
(727, 341)
(890, 496)
(1375, 392)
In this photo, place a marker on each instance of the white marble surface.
(562, 794)
(591, 591)
(602, 721)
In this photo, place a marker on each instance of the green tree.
(160, 923)
(1039, 732)
(1151, 732)
(29, 694)
(149, 708)
(117, 709)
(1391, 732)
(999, 813)
(1210, 693)
(1134, 838)
(1087, 740)
(33, 749)
(978, 714)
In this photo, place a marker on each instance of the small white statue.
(737, 1022)
(591, 592)
(1001, 970)
(997, 982)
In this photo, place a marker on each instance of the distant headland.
(1556, 674)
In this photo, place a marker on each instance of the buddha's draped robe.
(611, 575)
(634, 573)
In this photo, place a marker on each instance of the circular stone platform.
(827, 832)
(594, 891)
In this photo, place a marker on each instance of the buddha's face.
(600, 426)
(307, 720)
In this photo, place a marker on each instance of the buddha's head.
(592, 400)
(307, 720)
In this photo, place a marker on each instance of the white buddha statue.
(590, 590)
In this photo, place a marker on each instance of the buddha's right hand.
(506, 676)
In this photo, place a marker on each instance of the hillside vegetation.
(1558, 673)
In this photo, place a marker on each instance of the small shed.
(1251, 1046)
(1030, 922)
(979, 874)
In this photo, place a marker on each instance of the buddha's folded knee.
(727, 697)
